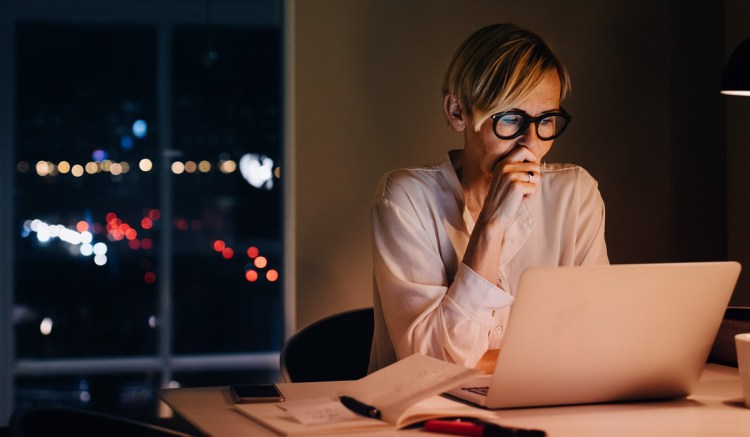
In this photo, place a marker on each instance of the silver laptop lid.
(609, 333)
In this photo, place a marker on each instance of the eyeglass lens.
(513, 124)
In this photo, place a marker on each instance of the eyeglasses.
(511, 124)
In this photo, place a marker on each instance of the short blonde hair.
(497, 67)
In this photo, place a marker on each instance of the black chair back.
(331, 349)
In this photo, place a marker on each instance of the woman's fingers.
(520, 160)
(519, 154)
(527, 172)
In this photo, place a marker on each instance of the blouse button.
(493, 313)
(498, 329)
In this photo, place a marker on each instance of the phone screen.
(256, 393)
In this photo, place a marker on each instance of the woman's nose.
(530, 139)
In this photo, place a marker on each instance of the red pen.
(468, 428)
(455, 427)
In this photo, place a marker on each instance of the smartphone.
(256, 393)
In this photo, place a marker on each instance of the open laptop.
(595, 334)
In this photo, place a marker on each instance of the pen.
(360, 407)
(468, 428)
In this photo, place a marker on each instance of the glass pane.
(130, 395)
(220, 378)
(227, 190)
(85, 109)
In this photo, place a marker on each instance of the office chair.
(331, 349)
(736, 320)
(59, 421)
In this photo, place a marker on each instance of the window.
(147, 206)
(79, 284)
(226, 115)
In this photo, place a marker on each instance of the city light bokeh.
(257, 170)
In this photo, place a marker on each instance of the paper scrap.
(318, 410)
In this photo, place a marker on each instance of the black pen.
(360, 407)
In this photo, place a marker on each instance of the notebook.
(595, 334)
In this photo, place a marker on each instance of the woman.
(451, 240)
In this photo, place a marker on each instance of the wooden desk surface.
(715, 409)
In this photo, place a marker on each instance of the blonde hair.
(497, 67)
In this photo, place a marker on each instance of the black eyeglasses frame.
(527, 120)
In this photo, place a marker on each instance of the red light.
(123, 228)
(252, 252)
(182, 224)
(149, 277)
(251, 275)
(134, 244)
(110, 216)
(147, 244)
(154, 214)
(82, 226)
(261, 262)
(147, 223)
(272, 275)
(227, 253)
(131, 233)
(219, 245)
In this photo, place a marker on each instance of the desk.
(715, 408)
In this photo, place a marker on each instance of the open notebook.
(606, 333)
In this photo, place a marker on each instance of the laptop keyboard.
(482, 391)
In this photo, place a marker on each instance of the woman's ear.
(454, 113)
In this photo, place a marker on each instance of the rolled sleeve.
(484, 295)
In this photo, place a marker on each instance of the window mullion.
(164, 141)
(7, 117)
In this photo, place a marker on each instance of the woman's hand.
(487, 363)
(514, 178)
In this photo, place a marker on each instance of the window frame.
(164, 16)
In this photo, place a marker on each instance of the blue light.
(140, 128)
(99, 155)
(126, 142)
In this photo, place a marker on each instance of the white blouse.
(426, 300)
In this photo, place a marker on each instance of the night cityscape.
(139, 177)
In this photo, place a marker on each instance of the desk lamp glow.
(736, 80)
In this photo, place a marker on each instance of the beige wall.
(366, 98)
(738, 155)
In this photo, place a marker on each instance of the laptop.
(592, 334)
